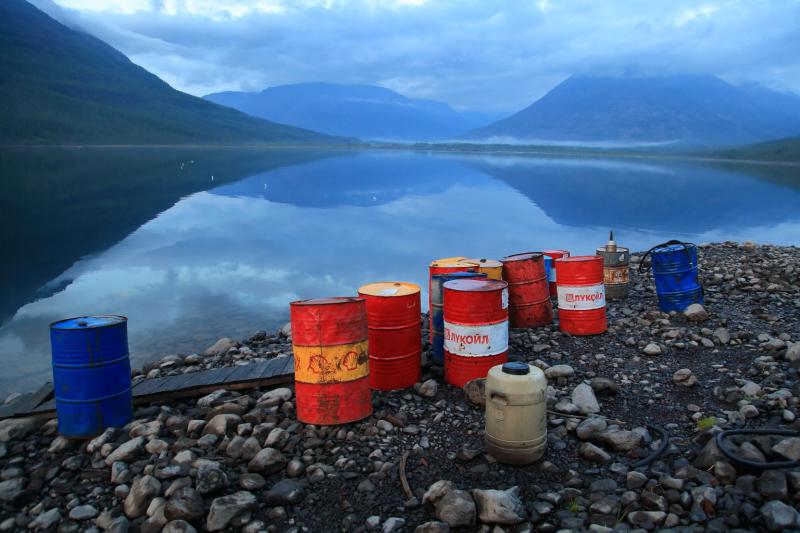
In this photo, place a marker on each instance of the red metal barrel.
(331, 360)
(395, 334)
(581, 295)
(555, 255)
(447, 265)
(528, 296)
(475, 328)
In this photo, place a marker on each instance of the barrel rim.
(475, 285)
(555, 252)
(415, 289)
(486, 263)
(522, 256)
(332, 300)
(675, 247)
(122, 320)
(580, 259)
(457, 275)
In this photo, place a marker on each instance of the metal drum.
(91, 374)
(615, 268)
(395, 334)
(493, 269)
(447, 265)
(554, 255)
(516, 413)
(528, 297)
(581, 295)
(475, 328)
(676, 275)
(548, 267)
(437, 309)
(331, 360)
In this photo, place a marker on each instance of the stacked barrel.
(395, 337)
(492, 268)
(528, 296)
(331, 360)
(475, 328)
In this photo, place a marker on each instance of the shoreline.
(240, 460)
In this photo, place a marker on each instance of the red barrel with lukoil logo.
(554, 255)
(581, 295)
(528, 297)
(475, 328)
(395, 337)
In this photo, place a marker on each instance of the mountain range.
(683, 109)
(63, 86)
(363, 111)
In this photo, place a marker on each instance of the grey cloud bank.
(494, 56)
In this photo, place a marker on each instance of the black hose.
(770, 465)
(661, 448)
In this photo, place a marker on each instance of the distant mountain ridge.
(363, 111)
(687, 109)
(62, 86)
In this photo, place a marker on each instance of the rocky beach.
(632, 419)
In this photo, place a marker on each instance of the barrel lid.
(388, 288)
(89, 322)
(580, 258)
(459, 275)
(451, 262)
(522, 256)
(476, 285)
(620, 249)
(329, 301)
(486, 263)
(559, 253)
(516, 368)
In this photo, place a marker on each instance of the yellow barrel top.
(450, 262)
(484, 263)
(389, 288)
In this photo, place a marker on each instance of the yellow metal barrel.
(493, 269)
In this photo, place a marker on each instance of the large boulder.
(226, 508)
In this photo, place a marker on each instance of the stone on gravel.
(222, 425)
(559, 371)
(83, 512)
(143, 490)
(591, 426)
(684, 377)
(437, 491)
(772, 485)
(594, 453)
(224, 509)
(178, 526)
(393, 524)
(788, 448)
(646, 519)
(220, 347)
(276, 396)
(11, 489)
(602, 385)
(210, 478)
(696, 313)
(185, 504)
(285, 492)
(19, 428)
(722, 335)
(126, 452)
(499, 506)
(428, 389)
(652, 349)
(432, 527)
(793, 355)
(456, 509)
(778, 516)
(709, 455)
(45, 520)
(267, 461)
(620, 440)
(475, 391)
(583, 396)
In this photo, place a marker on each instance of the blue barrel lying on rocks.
(91, 374)
(437, 309)
(676, 275)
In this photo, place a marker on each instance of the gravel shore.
(241, 461)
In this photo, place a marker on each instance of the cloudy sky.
(476, 55)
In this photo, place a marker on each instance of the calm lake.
(195, 244)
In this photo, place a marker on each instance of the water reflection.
(226, 260)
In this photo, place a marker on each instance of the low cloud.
(495, 56)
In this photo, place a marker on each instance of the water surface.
(194, 244)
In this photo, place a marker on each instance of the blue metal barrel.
(437, 309)
(676, 276)
(91, 374)
(548, 265)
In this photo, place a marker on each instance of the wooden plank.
(27, 402)
(242, 377)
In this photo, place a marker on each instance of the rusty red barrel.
(581, 295)
(554, 255)
(395, 334)
(475, 328)
(331, 360)
(528, 296)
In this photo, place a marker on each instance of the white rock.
(583, 396)
(220, 347)
(652, 349)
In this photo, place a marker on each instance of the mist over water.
(194, 259)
